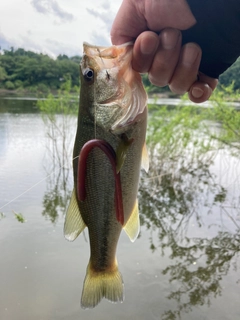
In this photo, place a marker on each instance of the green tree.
(36, 70)
(9, 85)
(231, 75)
(3, 74)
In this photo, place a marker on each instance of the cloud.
(104, 13)
(26, 42)
(54, 48)
(106, 5)
(7, 43)
(50, 47)
(41, 6)
(52, 7)
(4, 42)
(100, 39)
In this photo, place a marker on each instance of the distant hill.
(27, 70)
(21, 69)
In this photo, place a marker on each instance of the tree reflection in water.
(60, 132)
(181, 192)
(57, 194)
(183, 204)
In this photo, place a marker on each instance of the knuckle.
(159, 81)
(177, 88)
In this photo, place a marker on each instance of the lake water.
(184, 265)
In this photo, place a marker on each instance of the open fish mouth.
(118, 88)
(109, 57)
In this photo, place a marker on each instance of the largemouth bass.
(108, 152)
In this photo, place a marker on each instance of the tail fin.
(98, 285)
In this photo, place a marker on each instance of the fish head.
(112, 93)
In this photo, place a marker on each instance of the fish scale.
(112, 109)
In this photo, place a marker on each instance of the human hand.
(162, 56)
(169, 63)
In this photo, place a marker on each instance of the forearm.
(217, 31)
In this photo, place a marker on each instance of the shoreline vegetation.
(29, 73)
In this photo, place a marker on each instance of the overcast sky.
(56, 26)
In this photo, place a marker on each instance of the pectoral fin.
(132, 227)
(74, 223)
(145, 158)
(121, 151)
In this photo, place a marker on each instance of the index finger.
(128, 23)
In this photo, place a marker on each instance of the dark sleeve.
(217, 32)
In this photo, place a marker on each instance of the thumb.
(202, 89)
(128, 23)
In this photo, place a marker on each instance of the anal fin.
(132, 226)
(74, 223)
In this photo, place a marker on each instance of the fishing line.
(95, 110)
(33, 186)
(95, 105)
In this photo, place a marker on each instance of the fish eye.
(88, 74)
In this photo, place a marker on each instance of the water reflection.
(57, 165)
(190, 220)
(22, 106)
(190, 214)
(199, 270)
(184, 204)
(57, 194)
(186, 209)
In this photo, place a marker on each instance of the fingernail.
(197, 92)
(190, 54)
(149, 46)
(170, 39)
